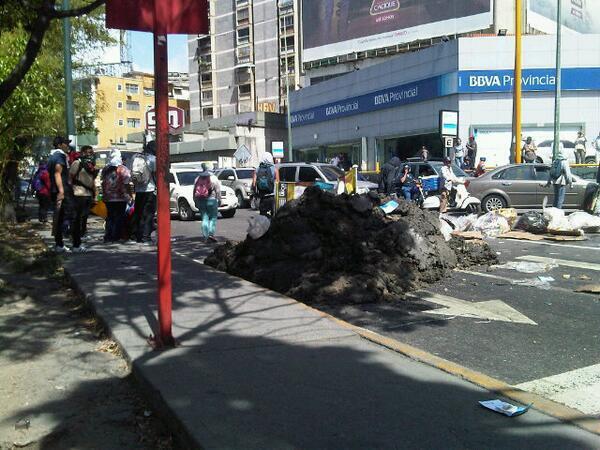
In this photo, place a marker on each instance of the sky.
(142, 52)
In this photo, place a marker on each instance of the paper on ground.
(505, 408)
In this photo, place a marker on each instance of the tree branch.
(54, 13)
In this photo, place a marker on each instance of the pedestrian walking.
(207, 197)
(264, 185)
(115, 193)
(580, 148)
(472, 151)
(61, 191)
(388, 175)
(529, 151)
(41, 185)
(143, 175)
(83, 177)
(560, 176)
(459, 153)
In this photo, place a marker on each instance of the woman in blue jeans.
(207, 196)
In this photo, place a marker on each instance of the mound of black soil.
(325, 248)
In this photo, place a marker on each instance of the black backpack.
(265, 184)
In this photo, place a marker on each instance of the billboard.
(579, 16)
(338, 27)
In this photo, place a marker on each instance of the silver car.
(240, 180)
(519, 186)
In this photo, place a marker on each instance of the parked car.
(240, 180)
(545, 148)
(307, 174)
(181, 188)
(519, 186)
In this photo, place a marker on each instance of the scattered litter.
(505, 408)
(546, 279)
(510, 214)
(522, 235)
(584, 221)
(565, 232)
(446, 230)
(584, 277)
(22, 424)
(461, 223)
(527, 267)
(390, 206)
(60, 388)
(498, 253)
(556, 219)
(258, 226)
(535, 282)
(533, 222)
(491, 224)
(566, 276)
(589, 289)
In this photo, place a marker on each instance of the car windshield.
(244, 174)
(457, 170)
(331, 173)
(187, 178)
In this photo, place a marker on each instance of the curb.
(549, 407)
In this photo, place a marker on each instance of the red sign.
(176, 119)
(175, 16)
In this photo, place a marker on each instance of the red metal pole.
(165, 337)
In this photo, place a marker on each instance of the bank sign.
(462, 82)
(477, 81)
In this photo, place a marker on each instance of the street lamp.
(557, 87)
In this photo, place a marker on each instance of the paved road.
(501, 322)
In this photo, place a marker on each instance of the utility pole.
(70, 119)
(516, 139)
(557, 86)
(287, 106)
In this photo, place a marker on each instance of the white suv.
(181, 188)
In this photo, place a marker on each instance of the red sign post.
(161, 17)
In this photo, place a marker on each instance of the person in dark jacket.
(42, 191)
(388, 174)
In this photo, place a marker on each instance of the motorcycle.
(462, 201)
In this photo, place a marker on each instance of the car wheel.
(493, 202)
(240, 199)
(590, 160)
(229, 213)
(539, 160)
(185, 211)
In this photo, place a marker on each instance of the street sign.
(277, 149)
(449, 123)
(242, 154)
(448, 141)
(176, 119)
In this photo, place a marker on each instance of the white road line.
(561, 262)
(579, 247)
(510, 280)
(579, 389)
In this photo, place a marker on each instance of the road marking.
(561, 262)
(488, 310)
(511, 281)
(579, 389)
(578, 247)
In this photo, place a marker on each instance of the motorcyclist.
(449, 179)
(480, 170)
(407, 182)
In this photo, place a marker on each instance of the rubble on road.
(324, 248)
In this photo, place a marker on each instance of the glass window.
(331, 173)
(187, 178)
(518, 173)
(226, 174)
(423, 170)
(134, 123)
(171, 178)
(132, 106)
(542, 172)
(119, 105)
(131, 88)
(245, 174)
(121, 122)
(243, 35)
(287, 173)
(308, 174)
(119, 87)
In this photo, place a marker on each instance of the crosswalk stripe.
(561, 262)
(509, 280)
(578, 247)
(579, 388)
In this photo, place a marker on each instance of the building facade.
(248, 60)
(122, 102)
(393, 108)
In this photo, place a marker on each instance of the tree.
(31, 74)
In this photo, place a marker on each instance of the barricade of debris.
(324, 248)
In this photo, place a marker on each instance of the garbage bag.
(491, 224)
(465, 223)
(446, 229)
(583, 221)
(510, 214)
(533, 222)
(556, 219)
(258, 226)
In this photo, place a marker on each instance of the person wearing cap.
(448, 180)
(61, 191)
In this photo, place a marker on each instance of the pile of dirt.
(324, 248)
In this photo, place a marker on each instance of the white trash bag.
(580, 220)
(258, 226)
(556, 219)
(491, 224)
(446, 229)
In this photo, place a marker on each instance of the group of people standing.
(67, 182)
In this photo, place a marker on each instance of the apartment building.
(122, 102)
(247, 61)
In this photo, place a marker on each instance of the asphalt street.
(527, 329)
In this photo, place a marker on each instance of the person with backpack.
(264, 185)
(143, 176)
(115, 193)
(41, 186)
(560, 176)
(83, 175)
(61, 191)
(207, 197)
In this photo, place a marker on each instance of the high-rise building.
(248, 60)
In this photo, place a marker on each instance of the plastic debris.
(535, 282)
(527, 267)
(566, 276)
(390, 206)
(22, 424)
(491, 225)
(584, 221)
(533, 222)
(505, 408)
(446, 230)
(258, 226)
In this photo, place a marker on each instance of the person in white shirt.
(145, 193)
(448, 181)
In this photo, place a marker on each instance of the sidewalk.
(257, 370)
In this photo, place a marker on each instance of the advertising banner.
(580, 16)
(337, 27)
